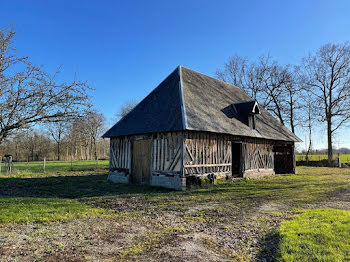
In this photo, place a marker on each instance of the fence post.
(71, 163)
(44, 164)
(339, 162)
(0, 163)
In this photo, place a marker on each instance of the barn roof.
(188, 100)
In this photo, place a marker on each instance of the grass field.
(345, 158)
(316, 235)
(55, 166)
(79, 216)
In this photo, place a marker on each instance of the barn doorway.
(283, 159)
(141, 165)
(236, 159)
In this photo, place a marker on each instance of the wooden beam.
(168, 173)
(208, 165)
(175, 159)
(189, 153)
(152, 151)
(182, 154)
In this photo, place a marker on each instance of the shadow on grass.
(70, 187)
(96, 185)
(268, 247)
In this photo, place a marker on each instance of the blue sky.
(125, 48)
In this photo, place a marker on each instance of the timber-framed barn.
(194, 126)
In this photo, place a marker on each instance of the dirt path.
(236, 232)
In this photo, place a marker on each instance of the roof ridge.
(253, 100)
(211, 77)
(183, 108)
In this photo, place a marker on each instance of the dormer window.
(251, 121)
(256, 109)
(251, 116)
(244, 112)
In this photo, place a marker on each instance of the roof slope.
(160, 111)
(188, 100)
(205, 98)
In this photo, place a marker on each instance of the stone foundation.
(118, 177)
(253, 173)
(172, 182)
(220, 175)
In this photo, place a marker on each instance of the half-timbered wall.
(257, 155)
(167, 152)
(192, 153)
(120, 153)
(206, 153)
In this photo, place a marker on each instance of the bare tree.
(310, 116)
(87, 130)
(294, 97)
(274, 90)
(249, 76)
(80, 135)
(57, 130)
(266, 81)
(29, 95)
(327, 74)
(233, 71)
(126, 108)
(95, 122)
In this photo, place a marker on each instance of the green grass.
(311, 184)
(26, 210)
(55, 166)
(65, 195)
(345, 158)
(316, 235)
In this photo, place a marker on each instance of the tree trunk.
(76, 152)
(86, 151)
(310, 132)
(95, 149)
(58, 151)
(329, 136)
(291, 114)
(81, 152)
(278, 113)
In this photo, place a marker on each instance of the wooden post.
(339, 161)
(152, 152)
(71, 163)
(182, 154)
(0, 163)
(44, 164)
(293, 158)
(111, 154)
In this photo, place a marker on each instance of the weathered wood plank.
(209, 165)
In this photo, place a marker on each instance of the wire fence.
(12, 167)
(344, 158)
